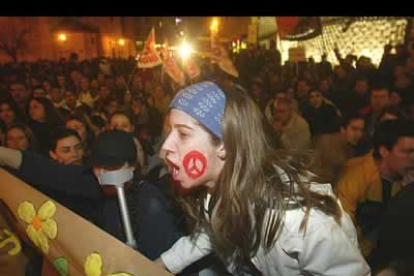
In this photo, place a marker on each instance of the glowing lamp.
(62, 37)
(185, 50)
(214, 25)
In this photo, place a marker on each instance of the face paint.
(195, 164)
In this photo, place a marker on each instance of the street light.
(214, 25)
(62, 37)
(185, 50)
(121, 42)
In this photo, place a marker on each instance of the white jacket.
(327, 248)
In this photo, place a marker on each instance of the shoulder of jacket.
(360, 163)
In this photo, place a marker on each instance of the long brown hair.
(237, 218)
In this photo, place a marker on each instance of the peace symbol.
(195, 164)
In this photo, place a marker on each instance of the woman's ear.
(221, 152)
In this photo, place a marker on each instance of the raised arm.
(41, 171)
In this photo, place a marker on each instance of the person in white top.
(259, 211)
(85, 96)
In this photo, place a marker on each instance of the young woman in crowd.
(8, 112)
(44, 118)
(85, 132)
(261, 212)
(19, 136)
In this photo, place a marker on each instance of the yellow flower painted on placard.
(41, 225)
(93, 266)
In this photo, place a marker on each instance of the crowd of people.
(267, 137)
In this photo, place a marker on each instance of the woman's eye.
(183, 134)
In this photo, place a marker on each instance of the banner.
(219, 55)
(298, 28)
(71, 245)
(149, 57)
(297, 54)
(170, 66)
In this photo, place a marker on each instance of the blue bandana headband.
(205, 102)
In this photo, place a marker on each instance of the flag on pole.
(219, 55)
(170, 66)
(149, 56)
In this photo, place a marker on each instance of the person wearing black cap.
(155, 222)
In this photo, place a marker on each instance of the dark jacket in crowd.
(354, 103)
(75, 187)
(396, 238)
(42, 133)
(321, 120)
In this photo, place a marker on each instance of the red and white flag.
(170, 66)
(219, 55)
(149, 56)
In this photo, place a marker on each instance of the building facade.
(52, 38)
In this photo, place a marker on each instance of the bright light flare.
(185, 50)
(214, 25)
(62, 37)
(121, 41)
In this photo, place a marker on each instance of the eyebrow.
(74, 146)
(183, 126)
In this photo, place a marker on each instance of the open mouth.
(173, 168)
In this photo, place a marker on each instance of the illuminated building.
(53, 38)
(359, 36)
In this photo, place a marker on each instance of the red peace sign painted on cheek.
(195, 164)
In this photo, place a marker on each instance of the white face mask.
(116, 178)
